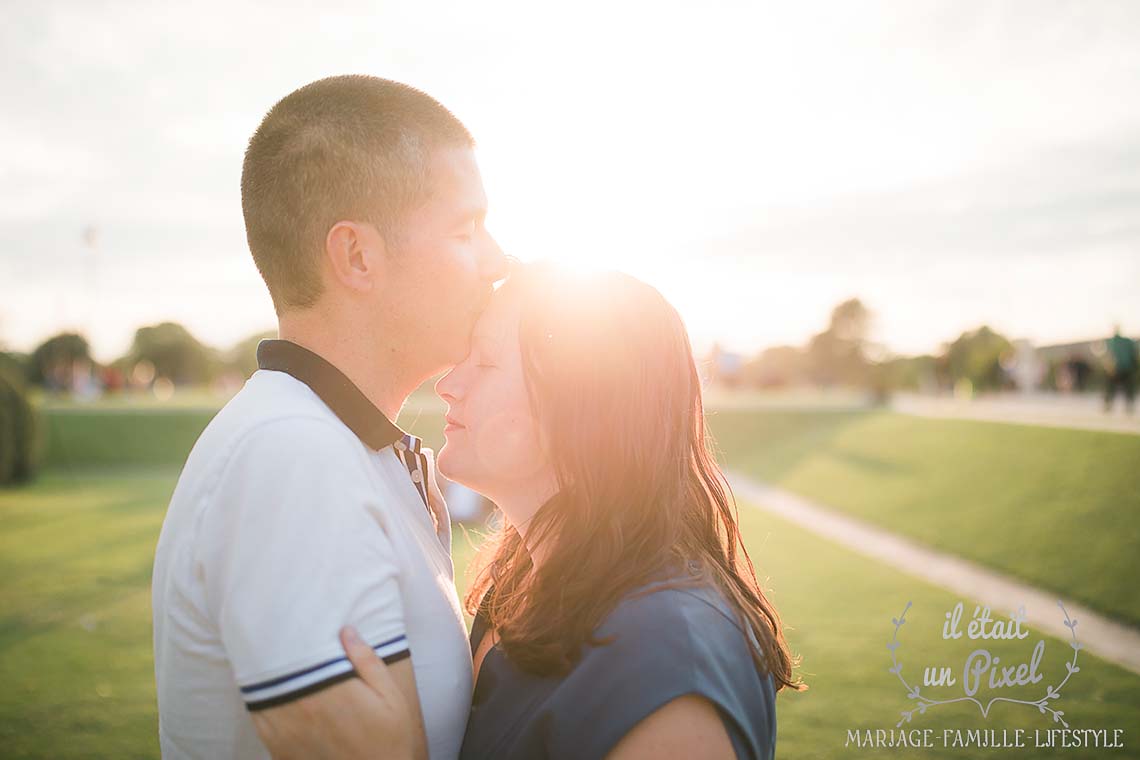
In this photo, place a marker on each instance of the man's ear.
(355, 253)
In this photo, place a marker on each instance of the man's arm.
(374, 716)
(292, 551)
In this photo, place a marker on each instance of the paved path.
(1049, 409)
(1103, 637)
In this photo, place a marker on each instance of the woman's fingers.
(369, 666)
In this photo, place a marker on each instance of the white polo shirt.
(301, 509)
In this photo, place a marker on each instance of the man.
(302, 508)
(1120, 369)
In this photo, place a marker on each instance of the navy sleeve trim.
(294, 695)
(294, 685)
(314, 688)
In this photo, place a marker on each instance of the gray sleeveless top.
(667, 643)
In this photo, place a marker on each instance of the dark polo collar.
(334, 388)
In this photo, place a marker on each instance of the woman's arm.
(688, 728)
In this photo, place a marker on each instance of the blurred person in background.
(1121, 366)
(465, 505)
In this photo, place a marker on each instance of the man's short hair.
(344, 148)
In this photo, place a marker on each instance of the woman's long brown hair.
(617, 396)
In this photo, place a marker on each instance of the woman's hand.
(373, 671)
(373, 716)
(401, 725)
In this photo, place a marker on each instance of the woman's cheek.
(507, 447)
(449, 461)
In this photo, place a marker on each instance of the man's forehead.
(455, 171)
(454, 193)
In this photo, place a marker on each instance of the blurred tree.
(838, 355)
(242, 358)
(18, 429)
(851, 321)
(16, 363)
(915, 373)
(976, 357)
(54, 361)
(172, 353)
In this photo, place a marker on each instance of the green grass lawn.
(1059, 508)
(75, 634)
(75, 637)
(86, 437)
(838, 607)
(108, 434)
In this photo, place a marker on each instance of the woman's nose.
(446, 387)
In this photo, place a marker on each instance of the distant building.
(1089, 350)
(1074, 367)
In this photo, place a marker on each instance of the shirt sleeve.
(294, 549)
(664, 645)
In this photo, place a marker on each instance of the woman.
(617, 612)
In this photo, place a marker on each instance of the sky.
(950, 163)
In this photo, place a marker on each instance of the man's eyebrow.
(478, 213)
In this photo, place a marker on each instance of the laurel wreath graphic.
(924, 703)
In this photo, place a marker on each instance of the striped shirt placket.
(416, 463)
